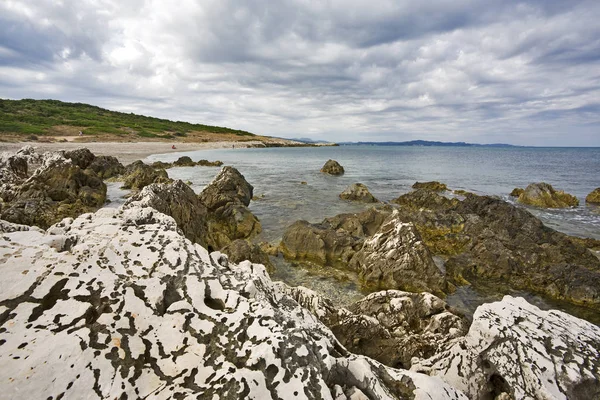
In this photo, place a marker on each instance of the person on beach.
(80, 133)
(173, 147)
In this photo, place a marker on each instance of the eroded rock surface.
(240, 250)
(433, 186)
(543, 195)
(106, 167)
(593, 197)
(118, 304)
(517, 349)
(137, 175)
(358, 192)
(332, 167)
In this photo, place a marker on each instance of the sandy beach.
(126, 152)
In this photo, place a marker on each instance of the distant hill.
(53, 117)
(426, 143)
(309, 140)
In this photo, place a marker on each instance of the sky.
(488, 71)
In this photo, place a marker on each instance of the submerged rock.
(593, 197)
(137, 175)
(433, 186)
(543, 195)
(118, 304)
(358, 192)
(332, 167)
(514, 349)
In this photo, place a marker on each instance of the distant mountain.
(426, 143)
(309, 140)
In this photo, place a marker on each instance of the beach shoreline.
(127, 152)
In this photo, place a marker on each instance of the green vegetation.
(39, 117)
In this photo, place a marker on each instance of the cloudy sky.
(521, 72)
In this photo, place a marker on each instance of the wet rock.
(462, 192)
(516, 192)
(184, 161)
(106, 167)
(80, 157)
(593, 197)
(543, 195)
(137, 175)
(517, 349)
(396, 258)
(161, 165)
(240, 250)
(227, 198)
(332, 167)
(423, 198)
(176, 200)
(433, 186)
(135, 310)
(56, 190)
(206, 163)
(358, 192)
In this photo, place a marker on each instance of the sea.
(288, 187)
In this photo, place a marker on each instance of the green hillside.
(48, 117)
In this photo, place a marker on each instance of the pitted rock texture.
(515, 348)
(433, 186)
(240, 250)
(138, 175)
(227, 198)
(106, 167)
(118, 304)
(56, 189)
(593, 197)
(358, 192)
(543, 195)
(396, 258)
(332, 167)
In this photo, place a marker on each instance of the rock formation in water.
(515, 350)
(434, 186)
(43, 189)
(543, 195)
(516, 192)
(137, 175)
(358, 192)
(186, 161)
(118, 304)
(332, 167)
(593, 197)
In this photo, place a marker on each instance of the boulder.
(240, 250)
(106, 167)
(80, 157)
(543, 195)
(118, 304)
(516, 192)
(206, 163)
(137, 175)
(433, 186)
(332, 167)
(593, 197)
(177, 200)
(358, 192)
(184, 161)
(227, 198)
(161, 165)
(396, 258)
(515, 350)
(56, 190)
(424, 198)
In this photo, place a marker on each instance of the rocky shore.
(168, 297)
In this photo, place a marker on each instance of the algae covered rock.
(516, 192)
(206, 163)
(434, 186)
(593, 197)
(424, 198)
(137, 175)
(358, 192)
(240, 250)
(106, 167)
(184, 161)
(515, 350)
(543, 195)
(332, 167)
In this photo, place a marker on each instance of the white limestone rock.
(118, 304)
(517, 349)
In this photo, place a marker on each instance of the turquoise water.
(389, 171)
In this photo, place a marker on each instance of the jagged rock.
(184, 161)
(332, 167)
(358, 192)
(227, 198)
(543, 195)
(240, 250)
(593, 197)
(161, 165)
(56, 190)
(423, 198)
(80, 157)
(334, 241)
(433, 186)
(106, 167)
(118, 304)
(462, 192)
(137, 175)
(206, 163)
(517, 349)
(396, 258)
(516, 192)
(177, 200)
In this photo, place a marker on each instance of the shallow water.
(389, 171)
